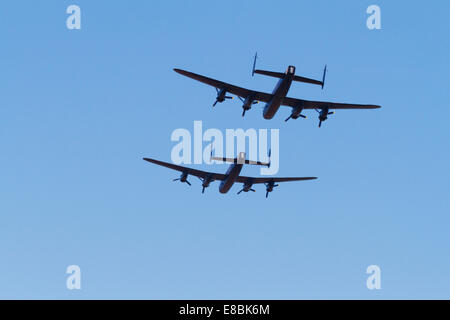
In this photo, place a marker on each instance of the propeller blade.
(288, 118)
(240, 191)
(303, 116)
(215, 103)
(320, 123)
(228, 97)
(188, 182)
(176, 179)
(243, 112)
(267, 194)
(332, 112)
(252, 190)
(203, 190)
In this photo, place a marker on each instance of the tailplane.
(241, 160)
(290, 72)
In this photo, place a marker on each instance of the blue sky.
(80, 108)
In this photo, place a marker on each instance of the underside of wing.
(192, 172)
(238, 91)
(306, 104)
(243, 179)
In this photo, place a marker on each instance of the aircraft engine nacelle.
(269, 187)
(248, 102)
(247, 186)
(221, 95)
(207, 181)
(183, 177)
(323, 115)
(296, 113)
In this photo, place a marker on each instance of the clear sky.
(80, 108)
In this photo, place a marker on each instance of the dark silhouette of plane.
(230, 177)
(278, 97)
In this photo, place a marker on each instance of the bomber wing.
(243, 179)
(192, 172)
(238, 91)
(307, 104)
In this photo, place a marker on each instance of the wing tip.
(180, 71)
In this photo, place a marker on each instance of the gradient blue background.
(79, 109)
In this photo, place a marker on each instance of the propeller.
(247, 104)
(203, 190)
(269, 187)
(206, 181)
(300, 115)
(221, 96)
(182, 181)
(243, 189)
(218, 100)
(323, 113)
(183, 178)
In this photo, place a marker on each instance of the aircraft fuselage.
(232, 173)
(279, 93)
